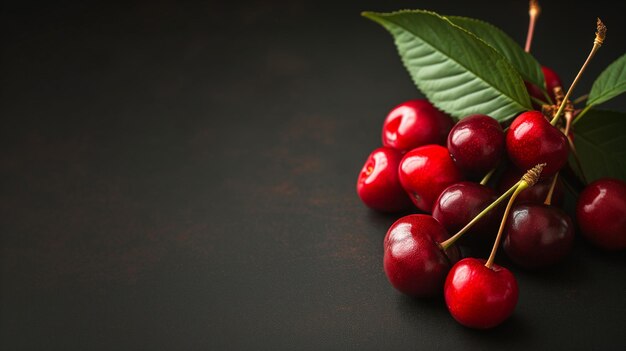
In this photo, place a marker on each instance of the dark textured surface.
(181, 176)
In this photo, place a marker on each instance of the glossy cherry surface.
(378, 185)
(415, 123)
(425, 172)
(414, 262)
(480, 297)
(532, 140)
(476, 143)
(601, 213)
(536, 193)
(459, 203)
(537, 235)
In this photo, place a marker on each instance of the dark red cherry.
(415, 123)
(414, 262)
(424, 173)
(476, 143)
(601, 213)
(532, 140)
(378, 185)
(552, 81)
(480, 297)
(459, 203)
(536, 193)
(538, 235)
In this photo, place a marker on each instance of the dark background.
(181, 175)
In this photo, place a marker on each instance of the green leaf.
(524, 63)
(610, 83)
(457, 72)
(601, 144)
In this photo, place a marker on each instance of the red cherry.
(552, 81)
(532, 140)
(601, 213)
(415, 123)
(459, 203)
(480, 297)
(414, 262)
(538, 235)
(425, 172)
(476, 143)
(536, 193)
(378, 185)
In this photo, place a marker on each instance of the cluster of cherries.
(429, 162)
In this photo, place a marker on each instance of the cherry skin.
(601, 213)
(536, 193)
(476, 143)
(415, 123)
(425, 172)
(480, 297)
(552, 81)
(459, 203)
(532, 140)
(538, 235)
(378, 185)
(414, 262)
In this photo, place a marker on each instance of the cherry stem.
(568, 122)
(530, 178)
(521, 186)
(551, 191)
(488, 176)
(446, 244)
(533, 13)
(581, 99)
(538, 101)
(582, 113)
(547, 96)
(597, 43)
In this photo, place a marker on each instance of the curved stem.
(446, 244)
(488, 176)
(548, 200)
(520, 187)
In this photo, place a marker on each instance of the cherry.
(414, 262)
(534, 194)
(601, 213)
(478, 296)
(478, 293)
(531, 140)
(538, 235)
(415, 123)
(459, 203)
(476, 143)
(552, 81)
(424, 173)
(378, 185)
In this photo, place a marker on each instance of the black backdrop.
(180, 175)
